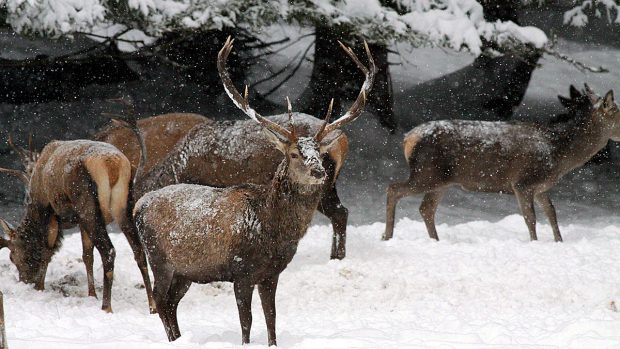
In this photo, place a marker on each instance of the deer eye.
(294, 155)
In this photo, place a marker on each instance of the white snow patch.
(485, 285)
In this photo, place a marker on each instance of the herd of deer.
(223, 201)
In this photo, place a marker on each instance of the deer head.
(30, 255)
(302, 154)
(605, 112)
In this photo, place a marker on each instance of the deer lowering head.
(78, 182)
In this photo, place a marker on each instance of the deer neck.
(577, 142)
(290, 206)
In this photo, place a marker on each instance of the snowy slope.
(483, 286)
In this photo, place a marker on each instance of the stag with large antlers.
(245, 234)
(83, 183)
(222, 154)
(524, 159)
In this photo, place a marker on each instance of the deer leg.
(331, 207)
(267, 293)
(243, 295)
(87, 257)
(525, 197)
(162, 279)
(427, 210)
(178, 287)
(545, 202)
(395, 192)
(129, 229)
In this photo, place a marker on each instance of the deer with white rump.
(83, 183)
(524, 159)
(245, 234)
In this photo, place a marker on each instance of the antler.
(358, 106)
(27, 156)
(17, 173)
(243, 102)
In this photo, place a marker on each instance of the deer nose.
(316, 173)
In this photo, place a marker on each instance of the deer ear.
(275, 139)
(566, 102)
(8, 229)
(329, 141)
(608, 100)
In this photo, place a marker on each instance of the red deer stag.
(222, 154)
(245, 234)
(83, 183)
(525, 159)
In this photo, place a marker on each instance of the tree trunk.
(3, 343)
(334, 75)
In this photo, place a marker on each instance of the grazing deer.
(83, 183)
(160, 132)
(525, 159)
(245, 234)
(222, 154)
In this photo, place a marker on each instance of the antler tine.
(319, 133)
(242, 102)
(290, 117)
(358, 106)
(23, 153)
(17, 173)
(590, 93)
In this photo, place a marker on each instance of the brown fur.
(524, 159)
(216, 154)
(245, 234)
(160, 132)
(75, 182)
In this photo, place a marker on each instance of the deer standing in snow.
(222, 154)
(245, 234)
(83, 183)
(525, 159)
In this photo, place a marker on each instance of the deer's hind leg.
(395, 192)
(427, 210)
(129, 229)
(331, 207)
(87, 257)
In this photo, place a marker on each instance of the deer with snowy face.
(83, 183)
(524, 159)
(245, 234)
(222, 154)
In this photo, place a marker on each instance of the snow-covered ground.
(484, 285)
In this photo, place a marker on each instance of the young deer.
(222, 154)
(525, 159)
(245, 234)
(83, 183)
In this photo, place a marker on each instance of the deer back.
(160, 132)
(479, 155)
(228, 153)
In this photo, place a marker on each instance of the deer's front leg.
(525, 197)
(243, 296)
(87, 257)
(267, 293)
